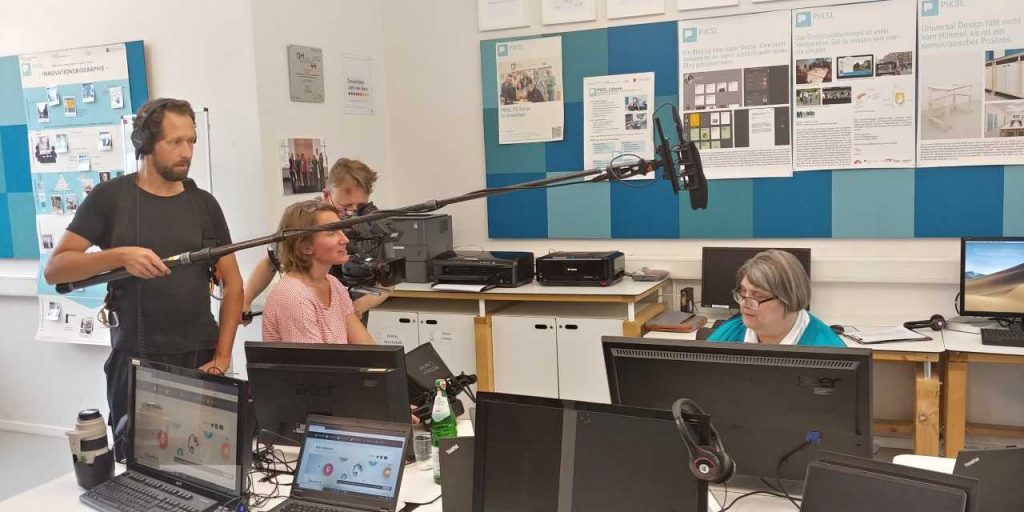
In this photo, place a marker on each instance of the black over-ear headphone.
(143, 134)
(936, 322)
(707, 462)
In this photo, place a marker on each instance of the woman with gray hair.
(773, 292)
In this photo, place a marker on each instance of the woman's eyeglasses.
(752, 303)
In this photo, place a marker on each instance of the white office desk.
(962, 349)
(756, 503)
(417, 487)
(62, 493)
(626, 291)
(922, 354)
(939, 464)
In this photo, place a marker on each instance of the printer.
(423, 236)
(507, 269)
(581, 268)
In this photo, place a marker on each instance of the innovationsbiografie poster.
(734, 93)
(971, 82)
(74, 100)
(853, 86)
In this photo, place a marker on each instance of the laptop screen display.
(350, 462)
(186, 427)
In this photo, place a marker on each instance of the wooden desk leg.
(926, 410)
(956, 403)
(484, 353)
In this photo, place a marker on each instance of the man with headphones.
(136, 220)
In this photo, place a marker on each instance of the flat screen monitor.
(290, 381)
(718, 272)
(803, 399)
(992, 277)
(190, 427)
(838, 483)
(543, 454)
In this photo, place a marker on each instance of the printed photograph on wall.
(303, 166)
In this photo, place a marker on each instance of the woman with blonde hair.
(348, 188)
(309, 305)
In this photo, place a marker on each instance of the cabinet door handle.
(404, 320)
(430, 322)
(571, 327)
(540, 326)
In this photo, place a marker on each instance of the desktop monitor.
(290, 381)
(192, 427)
(801, 398)
(718, 272)
(839, 483)
(992, 277)
(544, 454)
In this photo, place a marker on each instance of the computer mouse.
(838, 329)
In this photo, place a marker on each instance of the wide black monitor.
(718, 272)
(992, 277)
(290, 381)
(839, 483)
(543, 454)
(774, 406)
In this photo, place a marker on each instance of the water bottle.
(442, 425)
(94, 463)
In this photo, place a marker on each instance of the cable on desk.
(409, 507)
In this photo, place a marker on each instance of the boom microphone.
(693, 171)
(668, 165)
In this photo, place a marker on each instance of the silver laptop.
(348, 465)
(189, 443)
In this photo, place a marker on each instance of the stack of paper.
(877, 334)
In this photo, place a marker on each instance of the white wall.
(351, 27)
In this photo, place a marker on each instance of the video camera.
(373, 261)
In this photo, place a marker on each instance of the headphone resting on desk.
(707, 462)
(936, 322)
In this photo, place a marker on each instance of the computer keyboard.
(131, 492)
(1002, 337)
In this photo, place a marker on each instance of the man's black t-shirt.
(176, 314)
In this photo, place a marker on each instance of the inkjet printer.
(506, 269)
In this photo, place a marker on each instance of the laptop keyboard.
(296, 506)
(131, 492)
